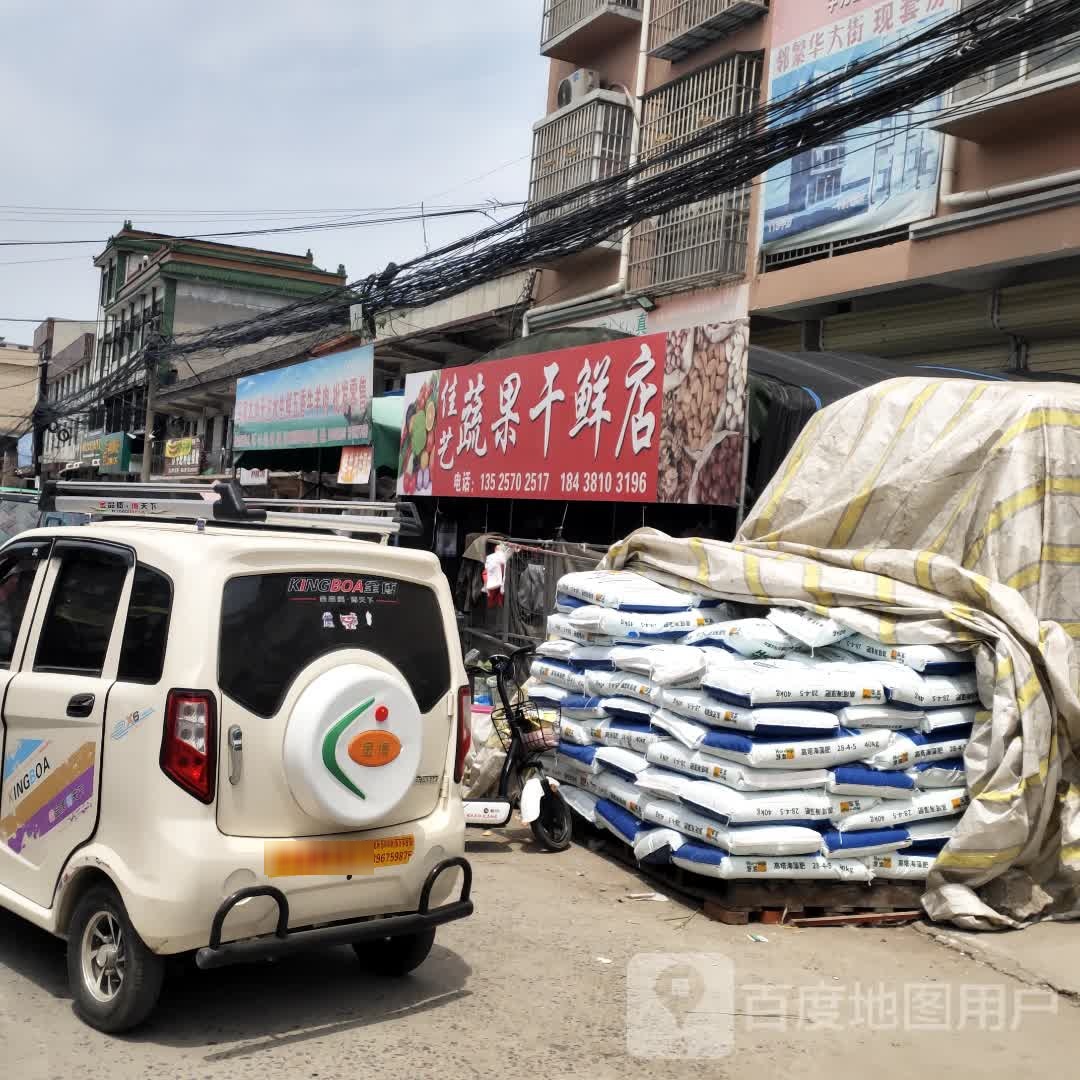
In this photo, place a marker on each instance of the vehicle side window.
(146, 633)
(82, 610)
(17, 570)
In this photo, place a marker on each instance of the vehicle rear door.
(54, 711)
(281, 631)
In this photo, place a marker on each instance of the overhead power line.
(720, 158)
(723, 157)
(318, 226)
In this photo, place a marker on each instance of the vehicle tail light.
(189, 742)
(464, 732)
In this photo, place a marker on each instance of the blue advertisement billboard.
(321, 402)
(875, 177)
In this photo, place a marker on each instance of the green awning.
(387, 416)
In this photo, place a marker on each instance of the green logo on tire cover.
(330, 744)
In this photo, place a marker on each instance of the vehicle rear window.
(274, 625)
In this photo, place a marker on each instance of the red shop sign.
(580, 423)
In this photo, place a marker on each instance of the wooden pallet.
(796, 903)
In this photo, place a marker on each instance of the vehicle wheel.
(554, 827)
(115, 979)
(395, 955)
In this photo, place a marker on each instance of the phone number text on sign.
(574, 423)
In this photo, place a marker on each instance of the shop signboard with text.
(321, 402)
(875, 177)
(115, 453)
(659, 418)
(183, 457)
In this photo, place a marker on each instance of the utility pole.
(148, 425)
(42, 397)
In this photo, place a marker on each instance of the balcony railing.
(678, 27)
(594, 19)
(703, 242)
(577, 145)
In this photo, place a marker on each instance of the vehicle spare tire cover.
(352, 745)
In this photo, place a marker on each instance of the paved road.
(525, 989)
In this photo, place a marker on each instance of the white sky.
(162, 112)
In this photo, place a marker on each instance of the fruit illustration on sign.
(418, 438)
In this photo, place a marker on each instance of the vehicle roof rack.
(223, 502)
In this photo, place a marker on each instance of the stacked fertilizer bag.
(767, 743)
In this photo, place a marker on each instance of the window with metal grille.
(708, 239)
(577, 146)
(1028, 67)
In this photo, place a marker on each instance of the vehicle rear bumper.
(284, 941)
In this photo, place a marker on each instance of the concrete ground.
(541, 982)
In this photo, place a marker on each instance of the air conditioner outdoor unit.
(576, 85)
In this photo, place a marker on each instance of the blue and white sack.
(623, 590)
(927, 659)
(558, 674)
(655, 846)
(758, 683)
(901, 866)
(930, 837)
(558, 649)
(617, 790)
(922, 806)
(942, 719)
(662, 783)
(626, 708)
(821, 752)
(808, 628)
(711, 862)
(593, 657)
(908, 748)
(729, 806)
(575, 731)
(778, 720)
(583, 755)
(560, 626)
(625, 734)
(670, 754)
(857, 845)
(616, 819)
(629, 627)
(617, 759)
(744, 778)
(939, 774)
(680, 728)
(893, 716)
(862, 780)
(664, 665)
(755, 639)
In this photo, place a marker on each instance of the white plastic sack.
(626, 708)
(575, 731)
(744, 778)
(656, 845)
(807, 627)
(684, 730)
(664, 665)
(938, 719)
(819, 752)
(901, 866)
(893, 717)
(594, 656)
(617, 790)
(729, 806)
(909, 748)
(582, 802)
(567, 770)
(939, 774)
(736, 840)
(710, 862)
(701, 706)
(613, 684)
(926, 658)
(560, 626)
(755, 639)
(633, 737)
(920, 807)
(551, 671)
(942, 828)
(625, 590)
(662, 783)
(627, 763)
(638, 627)
(762, 683)
(670, 754)
(556, 649)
